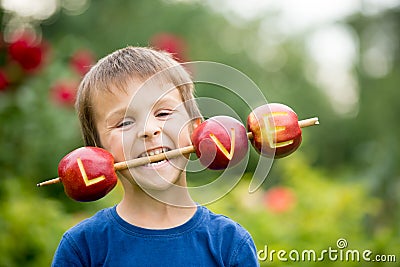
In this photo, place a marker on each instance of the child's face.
(141, 121)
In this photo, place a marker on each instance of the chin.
(161, 177)
(161, 185)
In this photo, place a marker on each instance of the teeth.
(154, 163)
(154, 152)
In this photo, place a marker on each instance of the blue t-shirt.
(206, 240)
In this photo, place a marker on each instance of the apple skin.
(207, 150)
(272, 143)
(97, 163)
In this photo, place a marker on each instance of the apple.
(275, 128)
(220, 142)
(87, 173)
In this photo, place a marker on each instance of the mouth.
(152, 152)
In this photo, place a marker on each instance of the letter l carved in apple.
(87, 173)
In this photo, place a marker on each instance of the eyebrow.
(167, 99)
(116, 113)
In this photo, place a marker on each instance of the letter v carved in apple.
(220, 142)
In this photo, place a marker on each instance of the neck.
(155, 209)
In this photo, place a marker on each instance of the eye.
(164, 113)
(125, 123)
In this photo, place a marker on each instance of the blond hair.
(119, 68)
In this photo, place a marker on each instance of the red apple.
(275, 128)
(87, 173)
(220, 142)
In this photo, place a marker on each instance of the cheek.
(184, 136)
(114, 144)
(177, 132)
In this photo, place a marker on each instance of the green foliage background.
(345, 175)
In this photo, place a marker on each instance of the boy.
(124, 109)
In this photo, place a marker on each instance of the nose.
(150, 129)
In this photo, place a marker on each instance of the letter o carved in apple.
(87, 173)
(220, 142)
(275, 128)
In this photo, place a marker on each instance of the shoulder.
(73, 249)
(236, 244)
(221, 222)
(88, 233)
(90, 229)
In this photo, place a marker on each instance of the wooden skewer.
(49, 182)
(309, 122)
(119, 166)
(149, 159)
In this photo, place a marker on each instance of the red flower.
(26, 52)
(279, 199)
(64, 93)
(170, 43)
(4, 82)
(81, 61)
